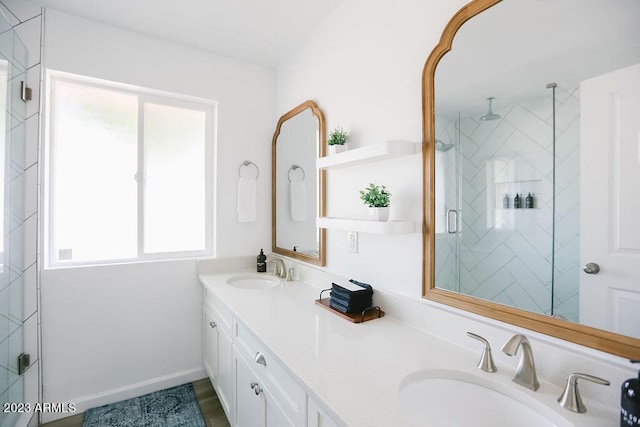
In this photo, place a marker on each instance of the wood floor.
(207, 399)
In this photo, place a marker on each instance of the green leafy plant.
(375, 196)
(338, 137)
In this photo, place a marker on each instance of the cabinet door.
(225, 370)
(317, 417)
(275, 415)
(211, 347)
(249, 407)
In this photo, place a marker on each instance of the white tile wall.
(26, 19)
(505, 255)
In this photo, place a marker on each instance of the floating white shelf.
(363, 226)
(386, 150)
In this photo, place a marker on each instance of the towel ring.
(247, 163)
(294, 167)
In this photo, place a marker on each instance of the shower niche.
(513, 185)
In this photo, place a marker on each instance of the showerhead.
(442, 146)
(490, 114)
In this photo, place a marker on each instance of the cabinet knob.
(256, 388)
(260, 359)
(213, 324)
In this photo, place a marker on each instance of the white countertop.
(355, 371)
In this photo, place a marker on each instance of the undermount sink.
(253, 281)
(453, 398)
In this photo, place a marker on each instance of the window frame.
(144, 96)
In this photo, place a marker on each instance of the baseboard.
(83, 403)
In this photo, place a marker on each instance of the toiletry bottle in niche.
(630, 401)
(262, 263)
(528, 201)
(505, 201)
(517, 203)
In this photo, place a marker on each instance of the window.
(129, 173)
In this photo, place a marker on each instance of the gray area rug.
(173, 407)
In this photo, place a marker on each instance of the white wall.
(112, 332)
(244, 93)
(363, 66)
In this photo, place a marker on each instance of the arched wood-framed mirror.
(298, 193)
(436, 213)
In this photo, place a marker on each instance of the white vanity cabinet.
(316, 417)
(254, 403)
(254, 387)
(211, 350)
(284, 400)
(248, 403)
(218, 356)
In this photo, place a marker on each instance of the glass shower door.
(448, 218)
(494, 203)
(13, 72)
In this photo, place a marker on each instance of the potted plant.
(377, 198)
(337, 140)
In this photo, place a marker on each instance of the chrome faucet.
(486, 360)
(279, 268)
(290, 274)
(526, 371)
(570, 398)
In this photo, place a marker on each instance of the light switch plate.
(352, 242)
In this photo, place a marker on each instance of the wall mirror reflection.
(534, 158)
(298, 188)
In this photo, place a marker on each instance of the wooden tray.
(368, 314)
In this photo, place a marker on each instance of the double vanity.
(277, 359)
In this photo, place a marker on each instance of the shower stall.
(508, 201)
(13, 363)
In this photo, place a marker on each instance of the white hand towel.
(247, 199)
(298, 200)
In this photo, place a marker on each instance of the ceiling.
(259, 31)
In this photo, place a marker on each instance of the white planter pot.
(335, 149)
(379, 214)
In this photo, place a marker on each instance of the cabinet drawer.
(285, 390)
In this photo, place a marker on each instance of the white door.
(610, 201)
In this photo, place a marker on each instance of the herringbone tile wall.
(505, 254)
